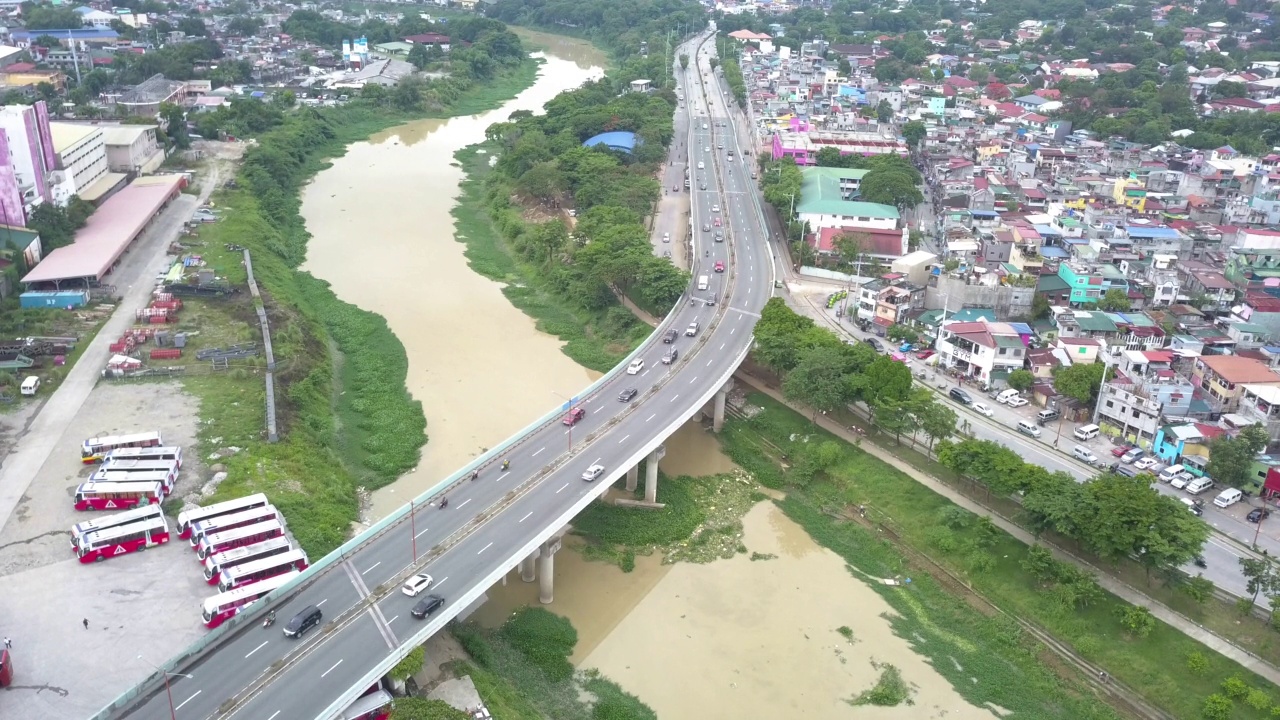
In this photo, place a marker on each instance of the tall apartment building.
(25, 162)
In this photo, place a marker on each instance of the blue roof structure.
(64, 34)
(1162, 233)
(619, 140)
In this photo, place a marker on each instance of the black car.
(1257, 515)
(627, 395)
(671, 356)
(426, 606)
(669, 336)
(875, 344)
(960, 396)
(306, 619)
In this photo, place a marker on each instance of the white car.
(1181, 480)
(1144, 463)
(982, 409)
(416, 584)
(635, 367)
(1016, 401)
(715, 208)
(593, 472)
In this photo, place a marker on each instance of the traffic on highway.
(350, 619)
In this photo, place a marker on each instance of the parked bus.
(117, 495)
(112, 464)
(187, 517)
(98, 546)
(375, 705)
(138, 514)
(216, 563)
(95, 450)
(6, 668)
(223, 523)
(247, 535)
(165, 477)
(159, 452)
(219, 608)
(252, 572)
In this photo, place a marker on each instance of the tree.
(900, 333)
(886, 379)
(1116, 300)
(817, 380)
(1040, 307)
(193, 27)
(913, 132)
(1230, 89)
(1260, 576)
(49, 17)
(937, 420)
(884, 111)
(1079, 381)
(892, 416)
(1021, 380)
(684, 62)
(175, 125)
(979, 74)
(415, 708)
(891, 187)
(1137, 620)
(1230, 459)
(1121, 516)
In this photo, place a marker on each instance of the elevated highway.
(502, 519)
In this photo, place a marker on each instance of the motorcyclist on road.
(475, 474)
(444, 503)
(506, 464)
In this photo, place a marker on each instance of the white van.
(1028, 428)
(1199, 485)
(1083, 453)
(1004, 396)
(1228, 497)
(30, 385)
(1087, 432)
(702, 282)
(1170, 473)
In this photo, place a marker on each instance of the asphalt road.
(257, 673)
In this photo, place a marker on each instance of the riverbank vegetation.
(570, 271)
(825, 477)
(522, 671)
(346, 419)
(621, 28)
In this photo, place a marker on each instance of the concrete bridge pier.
(633, 478)
(722, 395)
(527, 567)
(651, 474)
(547, 566)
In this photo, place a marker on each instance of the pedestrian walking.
(8, 643)
(86, 623)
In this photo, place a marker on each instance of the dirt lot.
(145, 602)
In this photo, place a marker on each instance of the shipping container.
(59, 299)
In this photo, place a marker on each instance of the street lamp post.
(569, 402)
(413, 528)
(173, 713)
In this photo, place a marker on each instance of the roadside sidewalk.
(1180, 622)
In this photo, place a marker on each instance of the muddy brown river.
(737, 638)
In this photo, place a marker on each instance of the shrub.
(1257, 699)
(411, 664)
(1137, 620)
(545, 639)
(1216, 707)
(1197, 662)
(1235, 688)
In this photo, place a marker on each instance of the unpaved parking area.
(141, 603)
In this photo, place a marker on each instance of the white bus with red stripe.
(134, 537)
(159, 452)
(226, 507)
(376, 705)
(216, 563)
(165, 477)
(135, 466)
(223, 523)
(258, 570)
(104, 522)
(117, 495)
(220, 608)
(95, 450)
(247, 535)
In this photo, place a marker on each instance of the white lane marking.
(193, 697)
(486, 547)
(526, 516)
(393, 619)
(651, 417)
(326, 672)
(264, 643)
(366, 572)
(441, 581)
(731, 330)
(464, 502)
(562, 487)
(674, 398)
(722, 345)
(623, 440)
(646, 372)
(415, 537)
(273, 715)
(322, 602)
(539, 450)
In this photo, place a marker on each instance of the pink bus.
(195, 514)
(216, 563)
(220, 608)
(258, 570)
(104, 522)
(95, 450)
(134, 537)
(214, 525)
(247, 535)
(117, 495)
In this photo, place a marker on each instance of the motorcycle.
(1199, 562)
(444, 503)
(271, 619)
